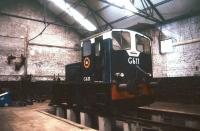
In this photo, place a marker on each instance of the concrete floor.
(35, 118)
(32, 118)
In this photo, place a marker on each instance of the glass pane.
(86, 48)
(142, 44)
(126, 40)
(97, 48)
(116, 40)
(121, 40)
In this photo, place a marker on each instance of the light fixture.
(75, 14)
(127, 4)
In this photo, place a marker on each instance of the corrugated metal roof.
(105, 15)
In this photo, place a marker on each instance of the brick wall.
(43, 61)
(184, 60)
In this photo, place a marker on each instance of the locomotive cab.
(131, 59)
(116, 68)
(120, 56)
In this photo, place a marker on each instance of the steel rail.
(130, 119)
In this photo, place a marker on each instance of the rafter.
(96, 13)
(155, 9)
(73, 3)
(126, 17)
(139, 14)
(99, 10)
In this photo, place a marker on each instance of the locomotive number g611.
(133, 60)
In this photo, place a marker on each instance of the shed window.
(166, 46)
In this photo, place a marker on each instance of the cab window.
(121, 40)
(142, 44)
(87, 48)
(97, 49)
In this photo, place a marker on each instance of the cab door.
(102, 59)
(121, 42)
(144, 47)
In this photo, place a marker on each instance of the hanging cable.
(45, 23)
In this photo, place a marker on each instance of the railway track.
(161, 120)
(147, 118)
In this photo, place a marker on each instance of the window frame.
(149, 44)
(119, 44)
(90, 47)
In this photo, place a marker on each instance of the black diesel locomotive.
(114, 72)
